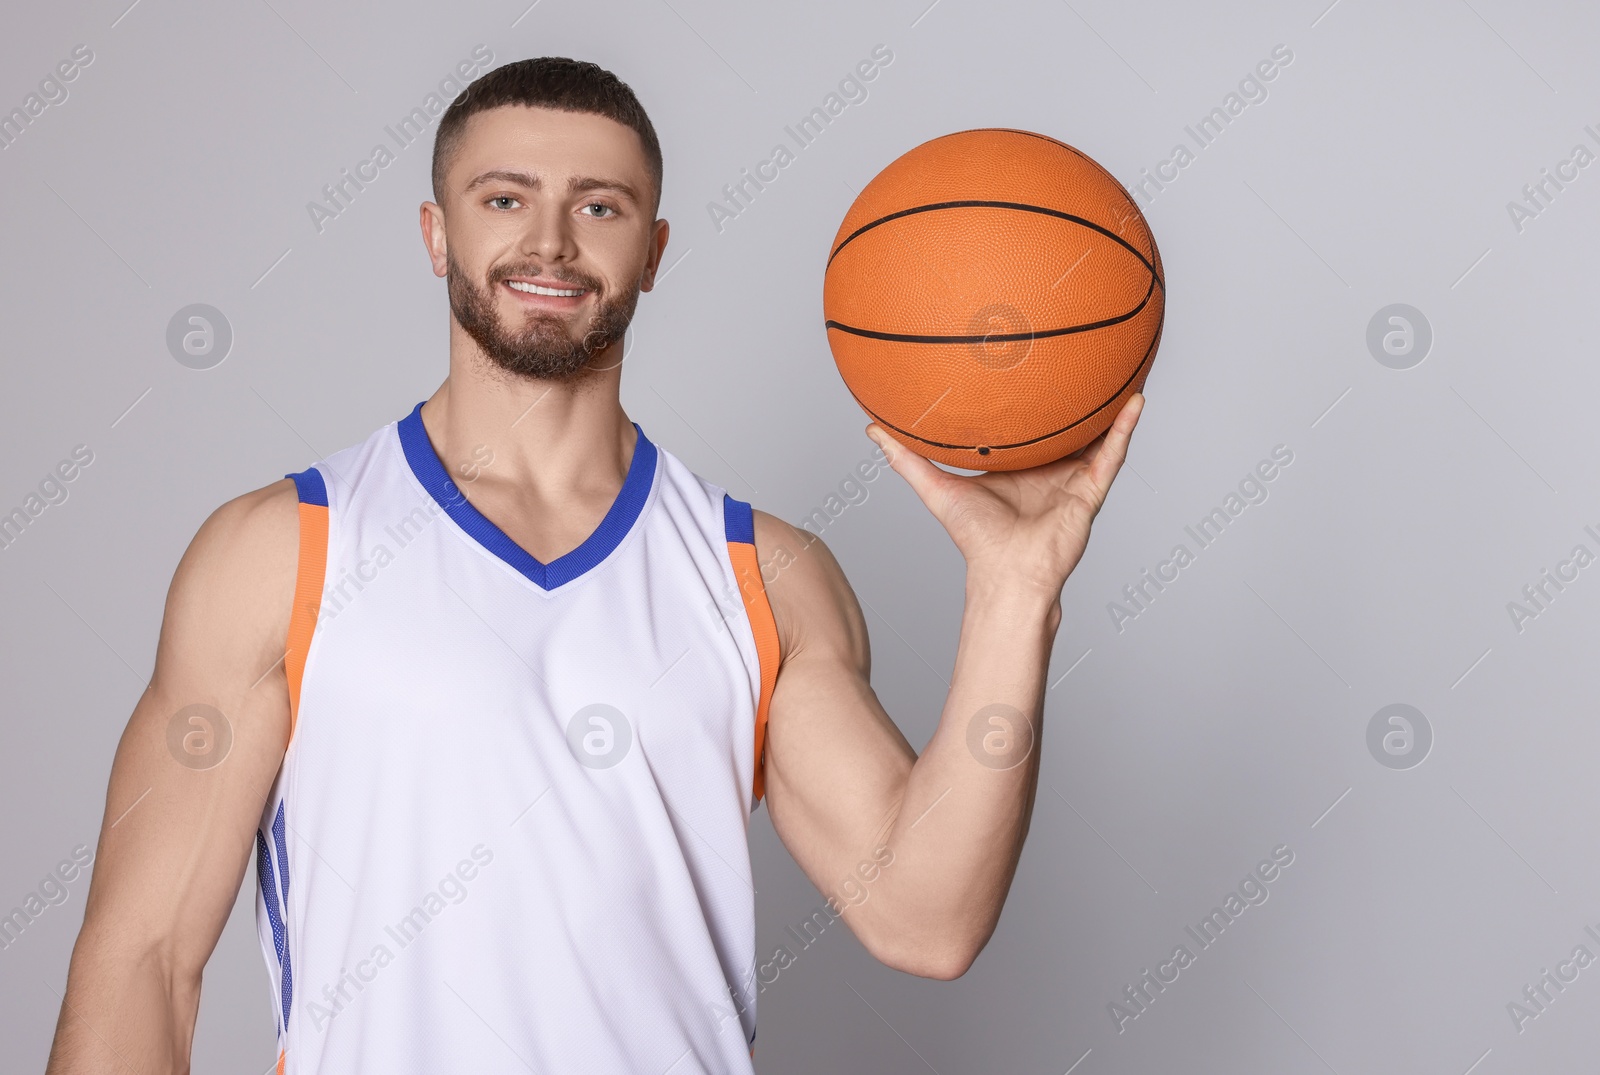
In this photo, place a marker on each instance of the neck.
(547, 438)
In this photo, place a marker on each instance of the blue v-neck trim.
(619, 520)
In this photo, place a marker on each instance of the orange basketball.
(992, 299)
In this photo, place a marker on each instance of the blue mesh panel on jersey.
(283, 870)
(279, 939)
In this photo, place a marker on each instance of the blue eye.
(598, 205)
(501, 198)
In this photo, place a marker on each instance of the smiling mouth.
(538, 289)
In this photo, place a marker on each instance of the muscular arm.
(931, 842)
(176, 837)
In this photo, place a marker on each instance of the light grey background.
(1227, 719)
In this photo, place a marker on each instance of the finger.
(1113, 450)
(1087, 453)
(918, 472)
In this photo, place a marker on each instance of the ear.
(431, 219)
(652, 261)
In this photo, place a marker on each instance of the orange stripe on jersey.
(280, 1061)
(307, 599)
(748, 571)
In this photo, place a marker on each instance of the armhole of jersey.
(313, 565)
(741, 533)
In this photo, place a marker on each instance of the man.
(505, 680)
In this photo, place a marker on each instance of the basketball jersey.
(510, 828)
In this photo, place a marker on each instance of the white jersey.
(509, 833)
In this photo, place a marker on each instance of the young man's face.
(540, 201)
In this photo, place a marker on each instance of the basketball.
(992, 299)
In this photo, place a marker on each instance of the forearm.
(957, 828)
(123, 1011)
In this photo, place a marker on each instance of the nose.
(549, 235)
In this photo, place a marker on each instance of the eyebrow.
(576, 185)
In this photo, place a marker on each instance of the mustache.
(566, 276)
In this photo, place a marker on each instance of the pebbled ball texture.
(992, 298)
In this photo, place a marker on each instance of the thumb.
(925, 479)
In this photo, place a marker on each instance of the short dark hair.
(545, 82)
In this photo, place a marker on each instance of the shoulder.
(262, 525)
(238, 573)
(812, 602)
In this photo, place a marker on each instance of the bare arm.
(931, 842)
(179, 824)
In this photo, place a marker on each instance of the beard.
(542, 347)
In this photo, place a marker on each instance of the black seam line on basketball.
(1149, 351)
(1070, 149)
(1075, 151)
(1021, 207)
(995, 337)
(1082, 156)
(1087, 160)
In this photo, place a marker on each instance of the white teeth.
(535, 289)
